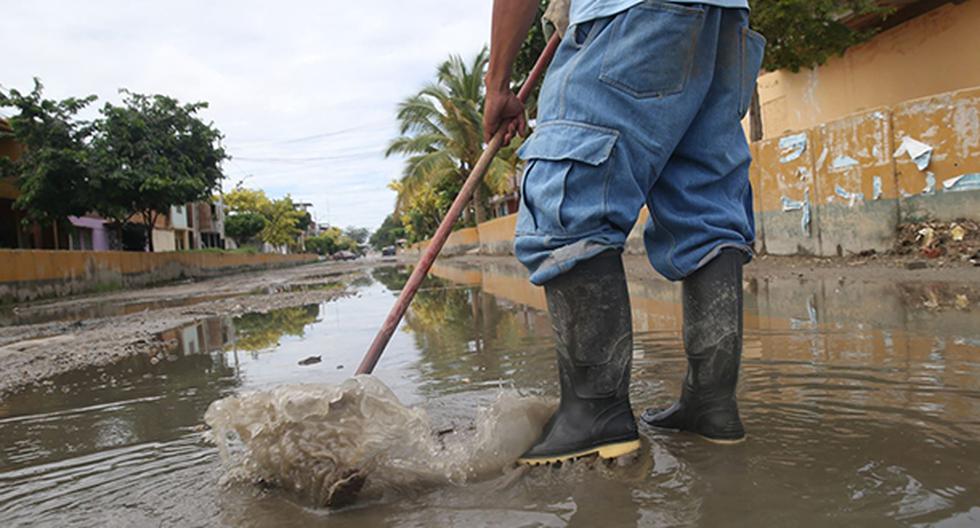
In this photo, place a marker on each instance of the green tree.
(304, 221)
(53, 171)
(388, 234)
(244, 227)
(357, 234)
(151, 153)
(441, 134)
(534, 44)
(243, 200)
(282, 220)
(805, 34)
(330, 241)
(282, 223)
(262, 331)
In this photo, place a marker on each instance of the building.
(89, 233)
(207, 224)
(196, 225)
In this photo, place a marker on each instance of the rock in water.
(312, 360)
(331, 444)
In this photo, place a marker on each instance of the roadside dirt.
(43, 339)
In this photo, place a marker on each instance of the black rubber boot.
(590, 314)
(712, 299)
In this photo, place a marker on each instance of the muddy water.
(862, 402)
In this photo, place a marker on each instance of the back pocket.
(651, 49)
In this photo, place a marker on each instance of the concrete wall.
(33, 274)
(950, 123)
(841, 187)
(933, 53)
(856, 180)
(497, 235)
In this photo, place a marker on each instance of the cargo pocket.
(652, 49)
(753, 46)
(565, 162)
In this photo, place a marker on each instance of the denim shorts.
(642, 107)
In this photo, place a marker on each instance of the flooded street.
(861, 400)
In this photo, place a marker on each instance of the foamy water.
(320, 441)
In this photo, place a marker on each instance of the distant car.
(388, 251)
(344, 255)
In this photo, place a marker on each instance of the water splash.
(329, 444)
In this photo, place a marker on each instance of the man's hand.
(511, 21)
(503, 110)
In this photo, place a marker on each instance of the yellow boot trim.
(604, 451)
(721, 441)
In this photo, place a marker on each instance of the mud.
(95, 330)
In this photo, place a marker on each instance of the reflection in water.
(862, 402)
(263, 331)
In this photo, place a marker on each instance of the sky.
(304, 91)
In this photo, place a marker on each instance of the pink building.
(88, 233)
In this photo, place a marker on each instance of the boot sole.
(723, 441)
(718, 441)
(604, 451)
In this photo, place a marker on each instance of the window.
(80, 238)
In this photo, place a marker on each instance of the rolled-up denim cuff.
(565, 258)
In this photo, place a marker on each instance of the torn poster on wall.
(919, 152)
(964, 182)
(843, 162)
(796, 205)
(852, 198)
(792, 147)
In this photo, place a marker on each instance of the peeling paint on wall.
(851, 197)
(792, 147)
(844, 162)
(930, 187)
(790, 205)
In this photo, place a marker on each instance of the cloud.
(286, 81)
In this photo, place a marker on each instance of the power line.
(314, 159)
(302, 139)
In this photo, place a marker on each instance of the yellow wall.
(933, 53)
(498, 232)
(464, 237)
(36, 265)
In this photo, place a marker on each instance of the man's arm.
(512, 20)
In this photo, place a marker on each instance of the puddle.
(862, 402)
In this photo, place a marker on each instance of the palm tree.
(442, 134)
